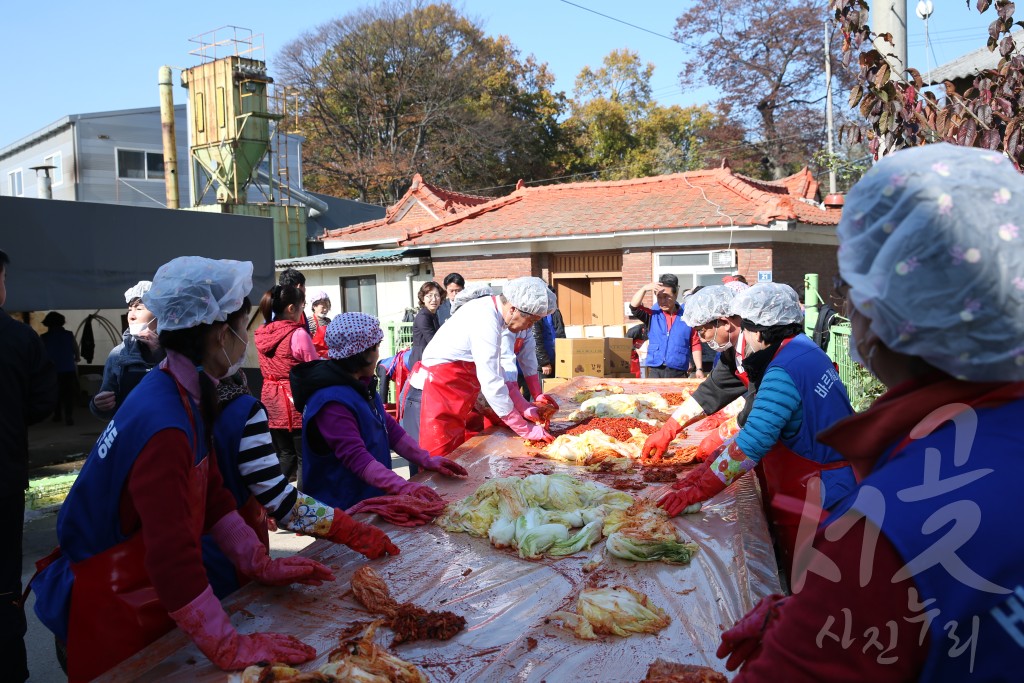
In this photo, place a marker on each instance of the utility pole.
(828, 113)
(890, 16)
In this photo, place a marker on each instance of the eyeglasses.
(432, 297)
(703, 330)
(532, 318)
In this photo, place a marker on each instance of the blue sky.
(70, 57)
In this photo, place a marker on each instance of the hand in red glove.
(544, 398)
(240, 543)
(743, 640)
(657, 443)
(287, 570)
(696, 487)
(424, 493)
(446, 466)
(363, 538)
(206, 623)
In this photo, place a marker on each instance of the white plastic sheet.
(506, 599)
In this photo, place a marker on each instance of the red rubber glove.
(544, 398)
(241, 545)
(445, 466)
(363, 538)
(696, 487)
(657, 443)
(708, 445)
(424, 493)
(207, 624)
(743, 640)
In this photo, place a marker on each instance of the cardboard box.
(617, 355)
(575, 357)
(621, 375)
(614, 331)
(549, 383)
(574, 331)
(593, 332)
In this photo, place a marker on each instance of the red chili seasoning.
(615, 427)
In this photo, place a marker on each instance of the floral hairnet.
(528, 294)
(352, 333)
(191, 290)
(768, 304)
(931, 247)
(710, 303)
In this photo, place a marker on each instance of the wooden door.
(606, 301)
(574, 301)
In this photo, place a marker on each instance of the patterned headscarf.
(352, 333)
(932, 247)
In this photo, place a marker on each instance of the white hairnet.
(768, 304)
(528, 294)
(710, 303)
(552, 303)
(470, 293)
(140, 288)
(192, 290)
(932, 251)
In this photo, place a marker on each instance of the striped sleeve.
(777, 412)
(260, 468)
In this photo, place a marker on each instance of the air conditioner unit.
(723, 258)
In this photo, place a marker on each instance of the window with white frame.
(140, 165)
(696, 267)
(16, 183)
(57, 172)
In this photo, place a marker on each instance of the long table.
(506, 600)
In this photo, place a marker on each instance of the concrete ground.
(56, 448)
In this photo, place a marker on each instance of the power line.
(626, 23)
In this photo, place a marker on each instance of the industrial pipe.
(170, 141)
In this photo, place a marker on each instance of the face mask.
(237, 365)
(135, 329)
(715, 346)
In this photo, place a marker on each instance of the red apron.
(115, 610)
(449, 394)
(784, 475)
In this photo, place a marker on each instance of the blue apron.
(323, 476)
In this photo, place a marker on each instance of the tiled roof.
(346, 258)
(707, 198)
(423, 204)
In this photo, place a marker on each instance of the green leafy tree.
(405, 87)
(618, 131)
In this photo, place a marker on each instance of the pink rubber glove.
(519, 401)
(520, 426)
(207, 624)
(411, 451)
(533, 384)
(239, 542)
(379, 476)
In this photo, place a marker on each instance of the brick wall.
(478, 268)
(793, 261)
(637, 271)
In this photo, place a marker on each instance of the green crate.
(861, 387)
(49, 491)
